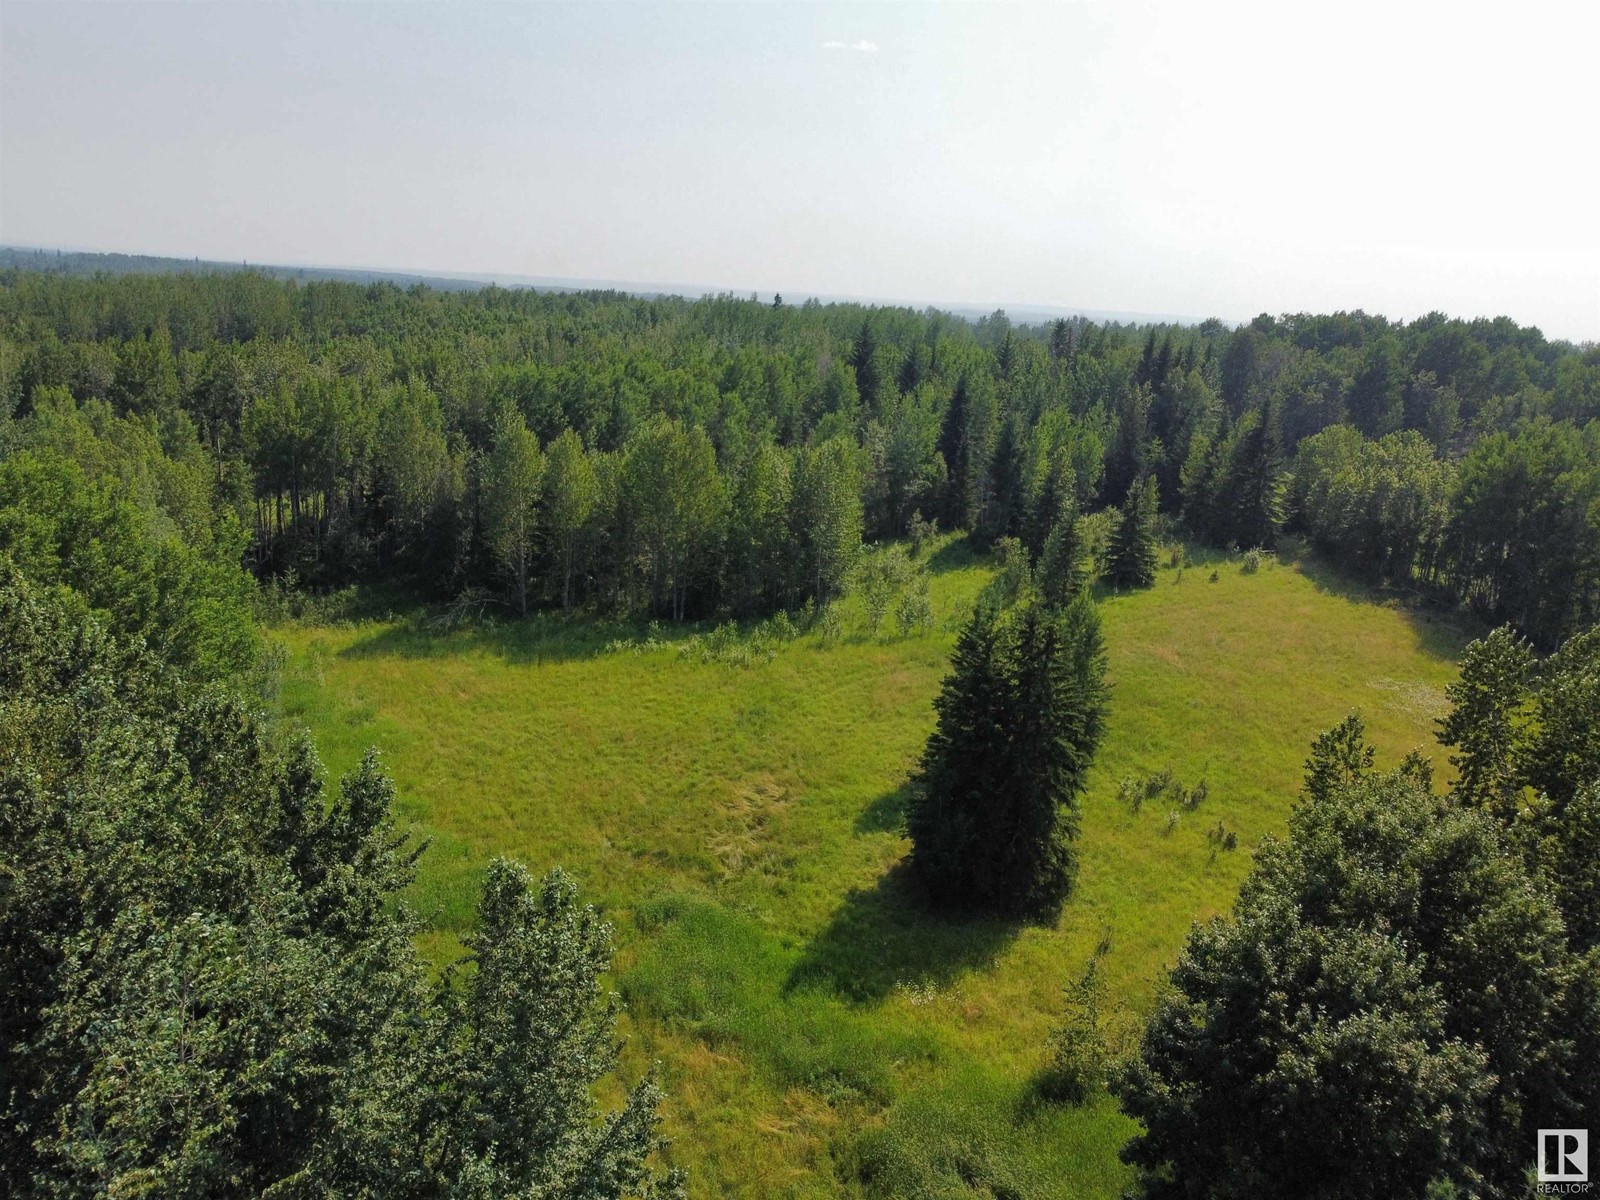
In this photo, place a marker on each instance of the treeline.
(209, 980)
(689, 458)
(1511, 528)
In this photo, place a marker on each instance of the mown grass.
(819, 1033)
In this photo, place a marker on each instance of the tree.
(1391, 978)
(966, 434)
(1133, 545)
(954, 449)
(209, 984)
(864, 361)
(1377, 394)
(571, 494)
(1128, 459)
(513, 475)
(1003, 515)
(191, 603)
(1523, 540)
(759, 566)
(1255, 483)
(676, 505)
(1240, 368)
(994, 807)
(825, 518)
(1482, 724)
(1063, 566)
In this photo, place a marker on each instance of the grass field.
(819, 1034)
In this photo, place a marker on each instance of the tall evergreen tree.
(1128, 458)
(1132, 561)
(956, 450)
(1255, 483)
(1063, 561)
(1003, 515)
(994, 810)
(869, 375)
(1239, 368)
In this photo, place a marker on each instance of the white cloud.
(861, 47)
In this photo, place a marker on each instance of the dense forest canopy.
(685, 458)
(208, 981)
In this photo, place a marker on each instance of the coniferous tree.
(955, 448)
(1021, 715)
(864, 361)
(1486, 702)
(1239, 368)
(1063, 564)
(961, 765)
(1255, 483)
(1129, 454)
(1003, 515)
(1132, 561)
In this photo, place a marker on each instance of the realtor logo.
(1563, 1155)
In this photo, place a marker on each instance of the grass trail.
(819, 1034)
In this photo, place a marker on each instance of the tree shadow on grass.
(537, 639)
(1441, 633)
(954, 555)
(885, 935)
(886, 814)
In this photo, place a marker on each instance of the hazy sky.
(1195, 158)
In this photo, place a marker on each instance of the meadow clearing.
(818, 1032)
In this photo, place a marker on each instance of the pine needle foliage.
(995, 810)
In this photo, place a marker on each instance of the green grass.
(819, 1033)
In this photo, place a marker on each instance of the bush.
(915, 610)
(1082, 1050)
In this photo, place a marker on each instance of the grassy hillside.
(819, 1034)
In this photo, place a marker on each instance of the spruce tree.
(1133, 546)
(1255, 483)
(994, 812)
(1003, 515)
(954, 448)
(1128, 457)
(962, 762)
(864, 361)
(1062, 564)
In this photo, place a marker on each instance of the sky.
(1203, 159)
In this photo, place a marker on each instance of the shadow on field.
(1440, 634)
(543, 638)
(886, 814)
(954, 555)
(884, 936)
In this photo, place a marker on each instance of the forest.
(214, 978)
